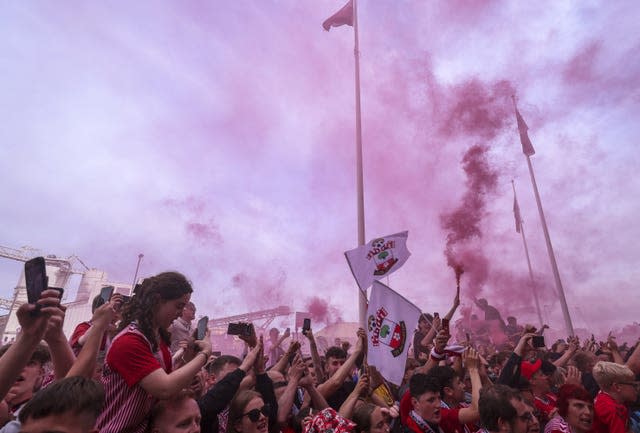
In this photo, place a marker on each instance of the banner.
(379, 258)
(391, 320)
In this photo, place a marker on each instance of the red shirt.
(610, 416)
(545, 405)
(129, 360)
(450, 420)
(80, 330)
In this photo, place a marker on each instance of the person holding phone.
(83, 330)
(138, 368)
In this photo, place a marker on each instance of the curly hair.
(165, 286)
(571, 391)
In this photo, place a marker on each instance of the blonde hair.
(608, 373)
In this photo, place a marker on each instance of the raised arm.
(568, 354)
(361, 390)
(334, 382)
(162, 385)
(454, 307)
(315, 356)
(634, 360)
(435, 326)
(285, 402)
(471, 361)
(62, 356)
(437, 353)
(283, 362)
(85, 363)
(33, 328)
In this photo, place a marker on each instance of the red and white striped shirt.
(129, 360)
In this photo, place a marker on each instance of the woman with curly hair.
(137, 368)
(575, 410)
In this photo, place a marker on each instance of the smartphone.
(538, 341)
(202, 328)
(60, 291)
(35, 274)
(306, 326)
(105, 294)
(243, 329)
(436, 315)
(445, 325)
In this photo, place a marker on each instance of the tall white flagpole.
(534, 289)
(359, 172)
(552, 258)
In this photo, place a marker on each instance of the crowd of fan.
(136, 367)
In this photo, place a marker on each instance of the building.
(59, 272)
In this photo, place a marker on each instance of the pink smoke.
(464, 223)
(322, 312)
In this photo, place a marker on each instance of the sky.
(218, 139)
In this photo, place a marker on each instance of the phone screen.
(202, 327)
(35, 274)
(106, 293)
(537, 341)
(306, 325)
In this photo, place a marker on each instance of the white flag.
(391, 320)
(378, 258)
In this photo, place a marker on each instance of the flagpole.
(359, 172)
(552, 257)
(534, 289)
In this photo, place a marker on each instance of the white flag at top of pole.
(377, 259)
(391, 320)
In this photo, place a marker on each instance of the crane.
(26, 253)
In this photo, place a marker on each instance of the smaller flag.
(516, 214)
(527, 147)
(390, 320)
(343, 17)
(378, 258)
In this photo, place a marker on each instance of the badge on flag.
(378, 258)
(390, 320)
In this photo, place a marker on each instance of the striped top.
(129, 360)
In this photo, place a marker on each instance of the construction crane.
(269, 315)
(26, 253)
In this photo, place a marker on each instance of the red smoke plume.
(322, 312)
(464, 223)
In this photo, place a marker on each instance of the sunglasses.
(254, 414)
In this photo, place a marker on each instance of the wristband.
(437, 356)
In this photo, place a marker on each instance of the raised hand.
(471, 359)
(361, 344)
(573, 375)
(34, 319)
(362, 387)
(204, 345)
(261, 361)
(297, 368)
